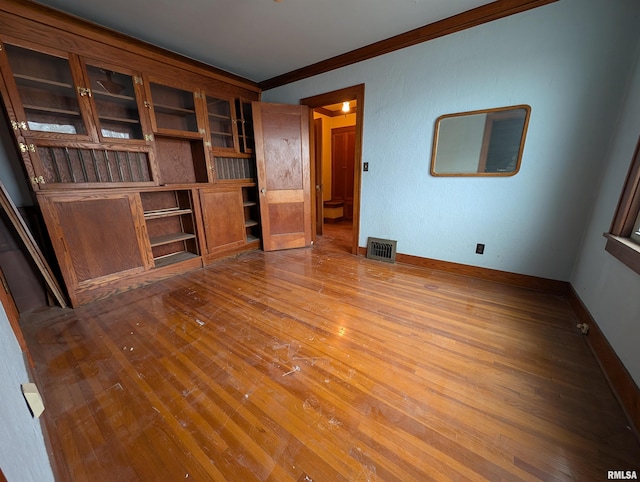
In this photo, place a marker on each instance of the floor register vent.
(381, 249)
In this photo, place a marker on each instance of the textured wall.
(569, 61)
(609, 288)
(23, 456)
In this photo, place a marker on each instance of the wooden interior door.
(284, 179)
(343, 142)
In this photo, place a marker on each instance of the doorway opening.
(336, 162)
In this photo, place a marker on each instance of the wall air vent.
(381, 249)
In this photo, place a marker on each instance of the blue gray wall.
(23, 456)
(571, 61)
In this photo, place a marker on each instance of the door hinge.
(147, 104)
(27, 147)
(83, 91)
(198, 95)
(137, 80)
(19, 125)
(38, 180)
(207, 144)
(148, 137)
(202, 131)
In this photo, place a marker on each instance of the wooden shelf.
(170, 238)
(119, 120)
(250, 222)
(168, 109)
(51, 110)
(37, 80)
(223, 117)
(248, 204)
(252, 239)
(165, 213)
(118, 97)
(174, 258)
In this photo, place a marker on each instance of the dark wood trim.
(522, 280)
(471, 18)
(629, 203)
(624, 250)
(335, 97)
(334, 113)
(621, 382)
(83, 28)
(619, 244)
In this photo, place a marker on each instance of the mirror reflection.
(480, 143)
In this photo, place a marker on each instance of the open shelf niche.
(170, 226)
(251, 213)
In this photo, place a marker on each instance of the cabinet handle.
(38, 180)
(263, 191)
(83, 91)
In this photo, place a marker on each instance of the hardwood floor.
(316, 365)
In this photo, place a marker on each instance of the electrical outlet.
(479, 248)
(365, 166)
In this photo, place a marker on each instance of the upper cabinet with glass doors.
(49, 98)
(79, 123)
(221, 117)
(53, 98)
(175, 111)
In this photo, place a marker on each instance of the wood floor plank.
(316, 365)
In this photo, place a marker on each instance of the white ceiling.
(261, 39)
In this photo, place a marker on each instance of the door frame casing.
(355, 92)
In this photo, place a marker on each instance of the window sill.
(625, 250)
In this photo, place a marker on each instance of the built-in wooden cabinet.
(142, 161)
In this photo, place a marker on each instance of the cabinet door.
(118, 100)
(246, 136)
(175, 110)
(223, 215)
(47, 93)
(97, 238)
(221, 117)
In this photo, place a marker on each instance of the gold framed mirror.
(480, 143)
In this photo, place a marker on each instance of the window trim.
(619, 242)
